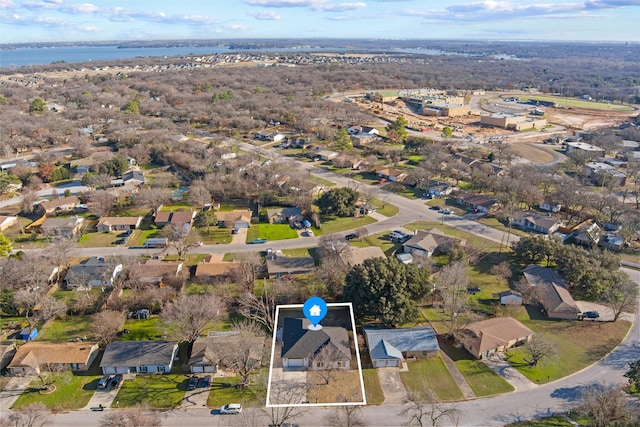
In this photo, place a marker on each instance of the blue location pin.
(315, 309)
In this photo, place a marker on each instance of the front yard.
(433, 374)
(158, 391)
(372, 387)
(271, 232)
(224, 390)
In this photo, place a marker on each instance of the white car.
(231, 408)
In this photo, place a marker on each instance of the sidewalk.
(12, 391)
(509, 373)
(457, 376)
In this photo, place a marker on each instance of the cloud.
(492, 10)
(6, 4)
(266, 16)
(340, 7)
(284, 3)
(58, 6)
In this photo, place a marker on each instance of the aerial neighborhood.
(151, 221)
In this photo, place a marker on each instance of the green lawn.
(434, 374)
(321, 181)
(158, 391)
(271, 232)
(223, 391)
(372, 387)
(334, 224)
(214, 235)
(381, 240)
(476, 242)
(149, 329)
(387, 210)
(554, 421)
(403, 190)
(65, 329)
(572, 102)
(72, 392)
(141, 235)
(97, 239)
(482, 380)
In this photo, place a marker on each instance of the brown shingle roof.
(36, 353)
(495, 332)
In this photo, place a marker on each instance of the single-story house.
(64, 227)
(282, 266)
(353, 256)
(474, 201)
(537, 275)
(133, 178)
(611, 241)
(43, 356)
(130, 357)
(7, 221)
(269, 135)
(429, 242)
(284, 215)
(303, 348)
(58, 205)
(491, 336)
(393, 175)
(404, 258)
(389, 347)
(509, 297)
(92, 272)
(7, 351)
(215, 268)
(118, 223)
(364, 130)
(207, 357)
(155, 272)
(587, 234)
(240, 218)
(179, 218)
(557, 302)
(327, 155)
(531, 221)
(550, 206)
(440, 189)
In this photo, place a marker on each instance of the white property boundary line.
(355, 341)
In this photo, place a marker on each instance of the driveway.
(12, 391)
(509, 373)
(606, 313)
(102, 397)
(195, 399)
(392, 386)
(282, 381)
(239, 238)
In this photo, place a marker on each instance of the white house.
(130, 357)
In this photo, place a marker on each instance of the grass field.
(158, 391)
(271, 232)
(381, 240)
(72, 391)
(65, 329)
(334, 224)
(372, 387)
(433, 374)
(577, 103)
(149, 329)
(387, 210)
(223, 391)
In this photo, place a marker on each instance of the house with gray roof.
(282, 266)
(307, 349)
(141, 357)
(531, 221)
(64, 227)
(551, 292)
(429, 242)
(286, 215)
(94, 271)
(209, 354)
(389, 347)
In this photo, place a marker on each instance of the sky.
(99, 20)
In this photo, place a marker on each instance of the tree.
(244, 352)
(51, 307)
(332, 269)
(633, 374)
(423, 408)
(206, 218)
(342, 141)
(38, 105)
(621, 294)
(139, 416)
(607, 405)
(447, 132)
(338, 201)
(387, 290)
(199, 195)
(502, 270)
(538, 349)
(397, 130)
(32, 415)
(106, 325)
(5, 245)
(285, 394)
(28, 299)
(249, 266)
(45, 170)
(453, 281)
(262, 309)
(182, 237)
(345, 416)
(102, 202)
(188, 315)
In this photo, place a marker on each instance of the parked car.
(204, 381)
(351, 236)
(115, 381)
(234, 230)
(435, 208)
(104, 382)
(590, 315)
(258, 241)
(447, 211)
(193, 383)
(231, 408)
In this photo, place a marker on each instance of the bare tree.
(28, 299)
(250, 264)
(332, 269)
(502, 270)
(528, 292)
(621, 294)
(32, 415)
(325, 362)
(102, 202)
(345, 416)
(51, 307)
(538, 349)
(139, 416)
(424, 409)
(262, 309)
(59, 254)
(183, 239)
(286, 393)
(244, 352)
(199, 194)
(188, 315)
(453, 281)
(106, 325)
(607, 405)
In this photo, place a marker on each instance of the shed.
(28, 334)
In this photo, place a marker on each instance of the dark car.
(193, 383)
(115, 381)
(435, 208)
(204, 381)
(351, 236)
(234, 230)
(104, 382)
(590, 315)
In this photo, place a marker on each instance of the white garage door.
(296, 363)
(386, 363)
(197, 369)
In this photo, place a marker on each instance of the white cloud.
(340, 7)
(266, 16)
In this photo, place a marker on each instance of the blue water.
(42, 56)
